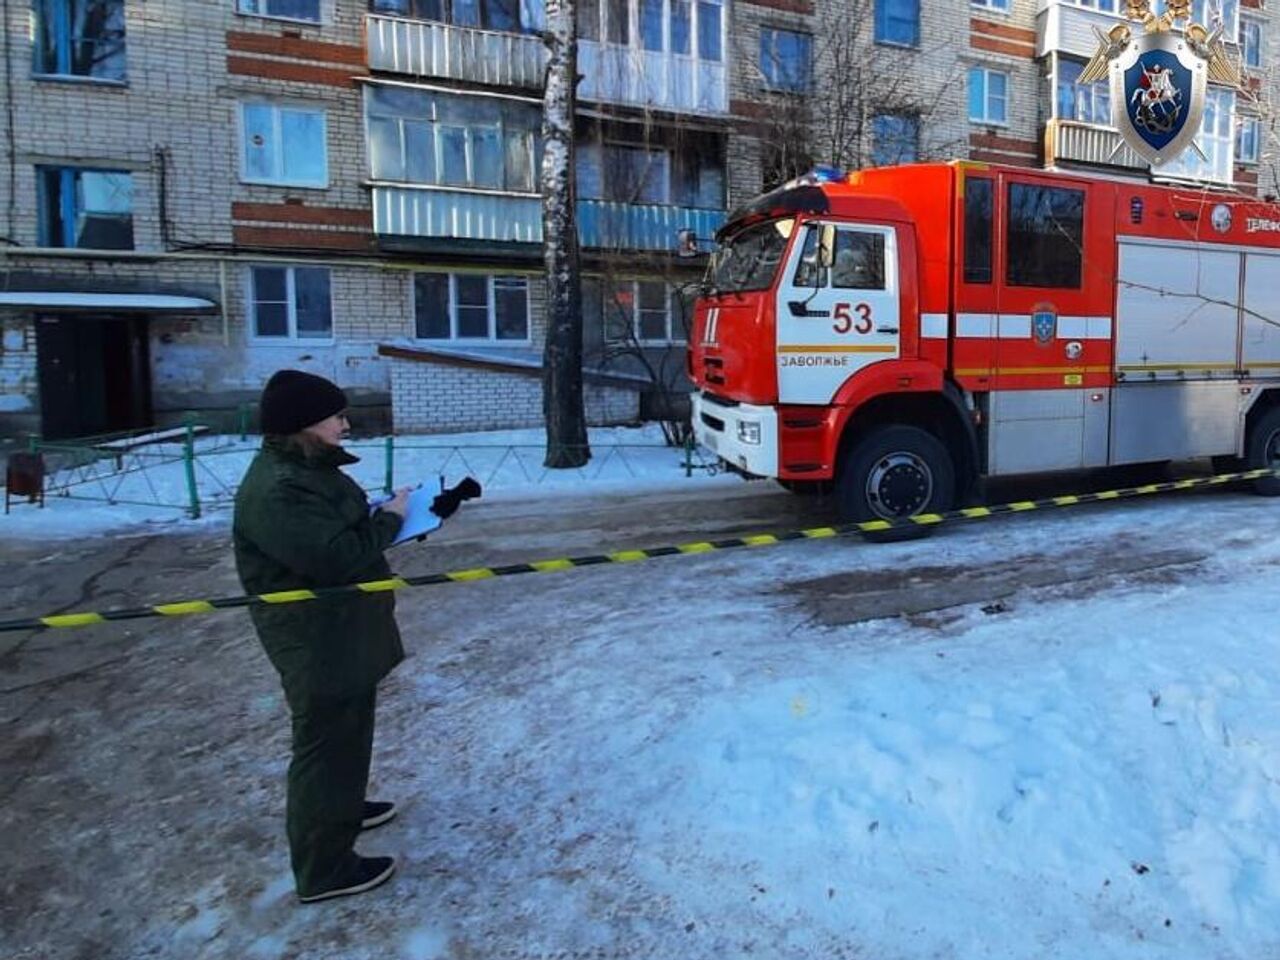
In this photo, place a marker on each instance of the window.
(79, 38)
(470, 306)
(1216, 139)
(859, 261)
(785, 58)
(283, 9)
(978, 197)
(988, 95)
(1251, 42)
(290, 303)
(1205, 13)
(709, 42)
(647, 311)
(92, 209)
(1001, 5)
(1088, 103)
(1107, 6)
(898, 21)
(894, 139)
(1045, 239)
(418, 136)
(285, 145)
(1247, 141)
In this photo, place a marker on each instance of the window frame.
(995, 6)
(1258, 29)
(608, 301)
(904, 118)
(1248, 123)
(67, 176)
(882, 20)
(1047, 190)
(987, 73)
(276, 108)
(242, 12)
(774, 84)
(492, 281)
(1098, 94)
(62, 51)
(291, 305)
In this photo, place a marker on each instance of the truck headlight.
(749, 433)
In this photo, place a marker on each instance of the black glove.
(446, 504)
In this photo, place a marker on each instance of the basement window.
(89, 209)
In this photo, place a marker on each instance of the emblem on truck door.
(1044, 324)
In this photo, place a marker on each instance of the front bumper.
(716, 427)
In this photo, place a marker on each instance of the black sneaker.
(365, 873)
(376, 813)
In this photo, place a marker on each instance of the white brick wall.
(429, 397)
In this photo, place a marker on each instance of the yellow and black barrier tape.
(188, 607)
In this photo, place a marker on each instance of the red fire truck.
(897, 333)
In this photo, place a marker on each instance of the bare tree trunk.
(562, 404)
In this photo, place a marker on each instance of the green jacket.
(301, 522)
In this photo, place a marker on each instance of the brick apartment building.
(198, 193)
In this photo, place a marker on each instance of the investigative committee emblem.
(1159, 78)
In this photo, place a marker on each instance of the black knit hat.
(293, 400)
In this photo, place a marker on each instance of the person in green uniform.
(301, 522)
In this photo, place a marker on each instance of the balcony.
(447, 213)
(425, 48)
(1066, 28)
(1075, 142)
(611, 73)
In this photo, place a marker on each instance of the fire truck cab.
(897, 333)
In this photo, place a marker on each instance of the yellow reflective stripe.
(1149, 488)
(181, 609)
(700, 547)
(872, 525)
(1184, 484)
(974, 512)
(1068, 501)
(380, 586)
(72, 619)
(1021, 505)
(286, 596)
(479, 573)
(546, 566)
(819, 532)
(628, 556)
(1108, 495)
(927, 518)
(760, 540)
(1225, 478)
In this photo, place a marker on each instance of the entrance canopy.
(132, 302)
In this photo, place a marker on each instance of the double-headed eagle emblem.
(1159, 77)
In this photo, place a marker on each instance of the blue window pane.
(259, 141)
(431, 306)
(302, 146)
(977, 93)
(419, 152)
(898, 21)
(453, 154)
(709, 30)
(681, 25)
(486, 157)
(385, 159)
(314, 310)
(81, 38)
(651, 24)
(466, 13)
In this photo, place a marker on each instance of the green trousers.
(332, 743)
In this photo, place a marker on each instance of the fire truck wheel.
(1264, 452)
(896, 472)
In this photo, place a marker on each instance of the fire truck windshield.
(749, 259)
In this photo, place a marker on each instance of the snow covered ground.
(1048, 736)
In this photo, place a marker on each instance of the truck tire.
(1263, 452)
(895, 472)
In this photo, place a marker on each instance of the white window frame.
(997, 6)
(987, 73)
(277, 159)
(242, 5)
(491, 302)
(1106, 6)
(1217, 144)
(291, 305)
(608, 302)
(1260, 27)
(1254, 124)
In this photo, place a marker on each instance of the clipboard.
(418, 517)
